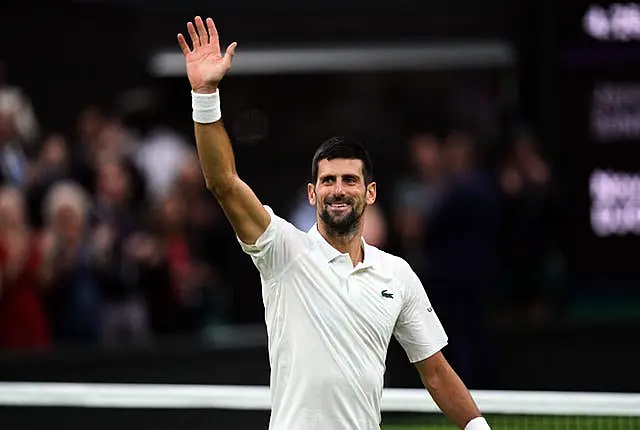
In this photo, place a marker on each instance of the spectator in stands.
(416, 197)
(183, 290)
(102, 137)
(146, 259)
(13, 159)
(23, 322)
(461, 244)
(74, 300)
(52, 164)
(118, 215)
(160, 150)
(160, 156)
(89, 124)
(17, 105)
(532, 268)
(179, 258)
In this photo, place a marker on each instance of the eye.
(327, 180)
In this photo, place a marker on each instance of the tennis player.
(332, 302)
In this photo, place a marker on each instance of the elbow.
(221, 187)
(432, 381)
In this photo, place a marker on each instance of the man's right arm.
(246, 214)
(206, 67)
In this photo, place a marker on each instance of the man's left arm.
(450, 393)
(422, 336)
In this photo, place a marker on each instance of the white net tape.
(257, 398)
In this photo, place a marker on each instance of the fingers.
(202, 31)
(183, 44)
(213, 33)
(201, 35)
(195, 40)
(231, 51)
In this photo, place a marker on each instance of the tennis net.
(193, 407)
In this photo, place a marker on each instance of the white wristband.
(478, 423)
(206, 107)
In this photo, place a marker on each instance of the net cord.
(94, 395)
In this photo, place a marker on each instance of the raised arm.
(205, 69)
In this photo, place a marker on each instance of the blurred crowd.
(482, 231)
(108, 236)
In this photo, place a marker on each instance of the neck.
(350, 243)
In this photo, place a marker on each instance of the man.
(331, 300)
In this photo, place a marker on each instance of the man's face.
(340, 194)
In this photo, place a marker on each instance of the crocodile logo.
(386, 294)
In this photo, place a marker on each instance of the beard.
(344, 223)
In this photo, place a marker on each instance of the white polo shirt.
(329, 325)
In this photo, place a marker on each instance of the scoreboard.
(598, 107)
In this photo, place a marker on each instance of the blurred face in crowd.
(68, 223)
(173, 211)
(459, 152)
(341, 195)
(12, 211)
(111, 141)
(113, 181)
(90, 123)
(54, 152)
(425, 152)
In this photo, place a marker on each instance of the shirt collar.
(331, 253)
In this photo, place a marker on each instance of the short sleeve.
(418, 329)
(276, 248)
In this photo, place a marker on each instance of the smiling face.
(341, 195)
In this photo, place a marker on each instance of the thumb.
(229, 54)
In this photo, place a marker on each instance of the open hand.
(205, 64)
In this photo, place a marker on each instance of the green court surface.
(506, 422)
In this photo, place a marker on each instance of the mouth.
(341, 205)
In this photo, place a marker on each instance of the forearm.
(215, 155)
(205, 68)
(241, 206)
(452, 396)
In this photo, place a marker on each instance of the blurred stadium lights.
(432, 56)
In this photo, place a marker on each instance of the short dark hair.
(343, 147)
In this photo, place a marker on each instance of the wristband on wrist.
(206, 107)
(478, 423)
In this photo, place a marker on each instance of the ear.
(311, 194)
(371, 194)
